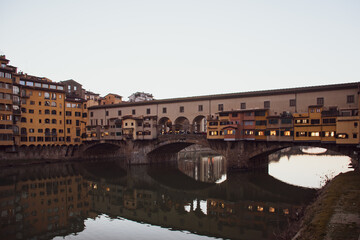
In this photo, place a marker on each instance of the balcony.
(17, 112)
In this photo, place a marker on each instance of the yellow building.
(214, 128)
(307, 126)
(42, 111)
(6, 102)
(260, 123)
(347, 130)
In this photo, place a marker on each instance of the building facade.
(7, 73)
(274, 115)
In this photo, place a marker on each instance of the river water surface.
(192, 198)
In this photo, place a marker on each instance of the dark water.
(193, 198)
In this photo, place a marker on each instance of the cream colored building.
(189, 112)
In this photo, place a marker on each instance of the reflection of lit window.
(250, 207)
(95, 186)
(260, 208)
(108, 189)
(286, 211)
(271, 209)
(222, 205)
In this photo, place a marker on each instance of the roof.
(72, 81)
(113, 95)
(237, 95)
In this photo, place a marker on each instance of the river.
(191, 198)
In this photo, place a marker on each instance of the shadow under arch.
(101, 149)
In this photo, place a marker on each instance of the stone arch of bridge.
(165, 125)
(199, 124)
(101, 149)
(182, 125)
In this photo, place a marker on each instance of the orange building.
(111, 98)
(7, 73)
(42, 111)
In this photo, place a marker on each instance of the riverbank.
(335, 214)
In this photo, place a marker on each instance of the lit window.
(315, 134)
(273, 133)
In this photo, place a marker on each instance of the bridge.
(239, 154)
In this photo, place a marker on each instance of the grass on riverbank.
(342, 197)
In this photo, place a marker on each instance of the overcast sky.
(184, 48)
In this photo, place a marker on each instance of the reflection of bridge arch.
(182, 125)
(199, 124)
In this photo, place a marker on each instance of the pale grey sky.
(184, 48)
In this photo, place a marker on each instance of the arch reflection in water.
(307, 167)
(204, 166)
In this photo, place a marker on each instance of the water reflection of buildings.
(56, 204)
(202, 166)
(43, 206)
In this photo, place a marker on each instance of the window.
(31, 84)
(315, 121)
(320, 101)
(107, 113)
(119, 113)
(200, 108)
(266, 104)
(273, 121)
(292, 102)
(350, 99)
(148, 111)
(182, 109)
(133, 111)
(243, 105)
(77, 114)
(47, 95)
(164, 110)
(68, 121)
(221, 107)
(92, 114)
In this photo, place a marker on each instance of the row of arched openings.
(182, 125)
